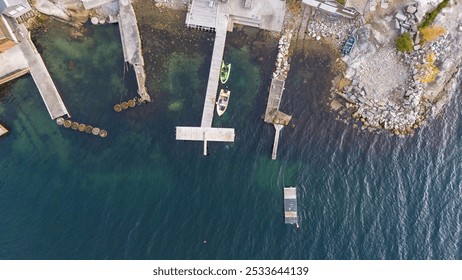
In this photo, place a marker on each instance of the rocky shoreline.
(395, 91)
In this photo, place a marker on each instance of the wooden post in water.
(278, 128)
(205, 145)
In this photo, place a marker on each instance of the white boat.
(222, 102)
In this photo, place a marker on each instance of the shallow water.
(139, 194)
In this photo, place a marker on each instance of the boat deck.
(290, 205)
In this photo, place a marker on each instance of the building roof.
(10, 5)
(334, 7)
(359, 5)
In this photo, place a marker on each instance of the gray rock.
(417, 47)
(400, 16)
(411, 9)
(406, 25)
(397, 24)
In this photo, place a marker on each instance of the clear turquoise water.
(139, 194)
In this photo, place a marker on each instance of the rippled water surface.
(139, 194)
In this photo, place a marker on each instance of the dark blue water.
(139, 194)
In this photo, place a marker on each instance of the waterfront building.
(14, 8)
(334, 7)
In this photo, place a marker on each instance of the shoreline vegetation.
(394, 79)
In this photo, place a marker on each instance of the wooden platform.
(272, 113)
(290, 205)
(201, 15)
(205, 134)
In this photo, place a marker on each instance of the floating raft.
(127, 104)
(290, 205)
(82, 127)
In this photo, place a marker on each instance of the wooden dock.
(202, 15)
(131, 45)
(290, 205)
(214, 74)
(272, 113)
(205, 134)
(39, 72)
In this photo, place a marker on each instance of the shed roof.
(4, 4)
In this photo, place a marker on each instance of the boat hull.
(222, 103)
(224, 72)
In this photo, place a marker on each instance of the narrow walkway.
(131, 45)
(39, 72)
(215, 65)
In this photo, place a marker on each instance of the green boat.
(224, 72)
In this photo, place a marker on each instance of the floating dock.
(290, 205)
(3, 130)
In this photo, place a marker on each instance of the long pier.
(131, 45)
(204, 16)
(39, 72)
(215, 65)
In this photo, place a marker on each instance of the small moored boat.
(348, 45)
(222, 102)
(224, 72)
